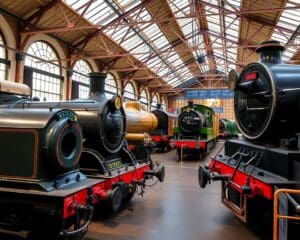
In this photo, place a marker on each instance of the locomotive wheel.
(203, 176)
(116, 199)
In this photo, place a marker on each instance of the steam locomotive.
(197, 130)
(266, 103)
(227, 128)
(164, 131)
(59, 159)
(139, 124)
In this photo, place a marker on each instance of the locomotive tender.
(197, 130)
(71, 157)
(266, 103)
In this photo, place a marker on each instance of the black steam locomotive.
(266, 104)
(164, 131)
(59, 159)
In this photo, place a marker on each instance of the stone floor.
(177, 209)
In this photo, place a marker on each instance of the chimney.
(190, 104)
(270, 52)
(97, 83)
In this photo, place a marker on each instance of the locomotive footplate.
(246, 173)
(279, 161)
(122, 183)
(193, 144)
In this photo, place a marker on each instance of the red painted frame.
(257, 186)
(99, 191)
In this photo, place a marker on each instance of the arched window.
(47, 80)
(81, 79)
(154, 102)
(3, 59)
(129, 92)
(111, 88)
(144, 99)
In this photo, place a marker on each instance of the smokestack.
(158, 106)
(270, 52)
(190, 104)
(97, 83)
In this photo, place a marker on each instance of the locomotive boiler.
(139, 123)
(164, 131)
(102, 120)
(266, 103)
(197, 130)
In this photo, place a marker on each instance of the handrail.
(276, 215)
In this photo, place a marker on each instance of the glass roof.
(141, 36)
(287, 31)
(224, 33)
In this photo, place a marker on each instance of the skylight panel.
(75, 4)
(128, 4)
(176, 84)
(180, 7)
(205, 68)
(226, 27)
(99, 13)
(162, 72)
(131, 42)
(289, 19)
(151, 31)
(161, 41)
(189, 27)
(118, 34)
(154, 62)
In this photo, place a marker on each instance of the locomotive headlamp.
(117, 102)
(251, 76)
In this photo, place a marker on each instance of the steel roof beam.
(82, 43)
